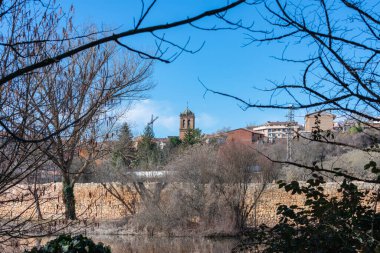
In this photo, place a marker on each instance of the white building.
(277, 129)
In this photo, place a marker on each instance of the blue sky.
(223, 64)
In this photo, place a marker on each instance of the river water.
(133, 244)
(141, 244)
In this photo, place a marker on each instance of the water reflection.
(136, 244)
(141, 244)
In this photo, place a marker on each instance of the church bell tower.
(186, 121)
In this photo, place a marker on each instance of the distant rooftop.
(280, 123)
(320, 113)
(244, 129)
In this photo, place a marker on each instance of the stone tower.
(186, 121)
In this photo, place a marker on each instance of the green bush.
(355, 130)
(348, 223)
(68, 244)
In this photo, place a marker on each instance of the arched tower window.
(183, 124)
(188, 123)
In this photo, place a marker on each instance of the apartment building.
(277, 129)
(325, 121)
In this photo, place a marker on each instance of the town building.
(245, 136)
(348, 124)
(324, 120)
(216, 138)
(372, 124)
(186, 122)
(277, 129)
(161, 142)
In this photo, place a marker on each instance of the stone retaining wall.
(95, 203)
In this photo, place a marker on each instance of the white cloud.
(141, 112)
(167, 123)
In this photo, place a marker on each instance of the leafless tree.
(241, 168)
(17, 164)
(340, 64)
(92, 84)
(34, 32)
(39, 42)
(212, 188)
(32, 186)
(183, 204)
(25, 33)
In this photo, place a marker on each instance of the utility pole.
(152, 120)
(289, 140)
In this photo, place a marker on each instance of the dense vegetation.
(69, 244)
(348, 223)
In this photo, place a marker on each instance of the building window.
(183, 124)
(188, 123)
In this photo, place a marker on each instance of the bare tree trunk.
(36, 197)
(34, 192)
(37, 202)
(239, 223)
(68, 198)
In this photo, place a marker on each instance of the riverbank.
(95, 204)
